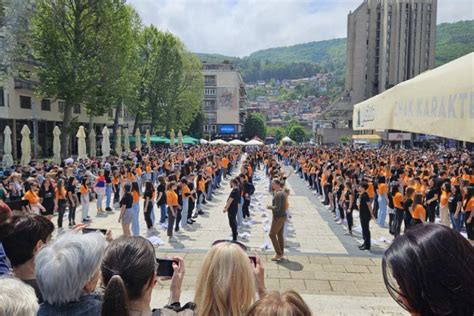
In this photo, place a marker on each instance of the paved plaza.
(324, 264)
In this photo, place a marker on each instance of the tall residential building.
(388, 41)
(224, 101)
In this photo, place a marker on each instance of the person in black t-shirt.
(126, 211)
(161, 198)
(431, 200)
(232, 207)
(365, 214)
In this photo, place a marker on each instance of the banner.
(437, 102)
(399, 136)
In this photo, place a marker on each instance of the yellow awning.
(437, 102)
(367, 136)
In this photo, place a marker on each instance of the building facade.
(224, 101)
(388, 42)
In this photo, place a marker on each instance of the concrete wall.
(333, 135)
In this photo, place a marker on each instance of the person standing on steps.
(278, 220)
(232, 207)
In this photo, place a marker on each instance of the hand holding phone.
(165, 267)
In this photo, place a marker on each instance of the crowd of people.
(395, 188)
(71, 273)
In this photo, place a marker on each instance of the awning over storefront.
(368, 137)
(437, 102)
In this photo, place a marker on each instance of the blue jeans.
(184, 212)
(382, 214)
(108, 195)
(457, 222)
(135, 224)
(239, 212)
(162, 213)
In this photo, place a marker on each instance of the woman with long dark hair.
(408, 206)
(232, 207)
(60, 201)
(431, 200)
(397, 198)
(418, 213)
(129, 274)
(72, 200)
(161, 198)
(46, 194)
(429, 271)
(348, 199)
(148, 206)
(455, 206)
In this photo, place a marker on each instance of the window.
(211, 117)
(77, 109)
(206, 128)
(209, 80)
(45, 105)
(61, 106)
(210, 91)
(25, 102)
(209, 104)
(2, 97)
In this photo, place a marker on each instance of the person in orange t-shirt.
(32, 197)
(443, 204)
(173, 206)
(468, 209)
(418, 212)
(397, 198)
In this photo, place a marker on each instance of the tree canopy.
(255, 126)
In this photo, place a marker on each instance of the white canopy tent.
(254, 142)
(437, 102)
(105, 142)
(7, 159)
(56, 145)
(286, 139)
(25, 146)
(218, 142)
(203, 142)
(138, 140)
(118, 142)
(236, 142)
(81, 143)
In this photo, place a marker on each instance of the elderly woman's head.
(69, 267)
(226, 282)
(17, 298)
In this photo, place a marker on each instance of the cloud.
(240, 27)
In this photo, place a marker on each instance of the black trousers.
(191, 205)
(72, 213)
(232, 215)
(350, 220)
(116, 193)
(431, 210)
(147, 213)
(245, 208)
(178, 219)
(61, 211)
(364, 222)
(397, 223)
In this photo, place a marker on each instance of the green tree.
(171, 80)
(196, 127)
(297, 133)
(255, 126)
(70, 40)
(279, 134)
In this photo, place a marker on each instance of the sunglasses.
(241, 245)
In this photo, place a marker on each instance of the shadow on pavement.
(291, 265)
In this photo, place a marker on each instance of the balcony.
(23, 84)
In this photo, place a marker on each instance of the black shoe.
(201, 213)
(190, 222)
(108, 209)
(176, 230)
(363, 247)
(70, 224)
(195, 215)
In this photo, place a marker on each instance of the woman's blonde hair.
(226, 284)
(289, 303)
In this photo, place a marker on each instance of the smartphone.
(165, 267)
(17, 205)
(89, 230)
(253, 259)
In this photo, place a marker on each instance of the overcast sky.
(240, 27)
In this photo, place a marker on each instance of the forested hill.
(303, 60)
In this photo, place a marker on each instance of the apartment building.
(224, 101)
(388, 42)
